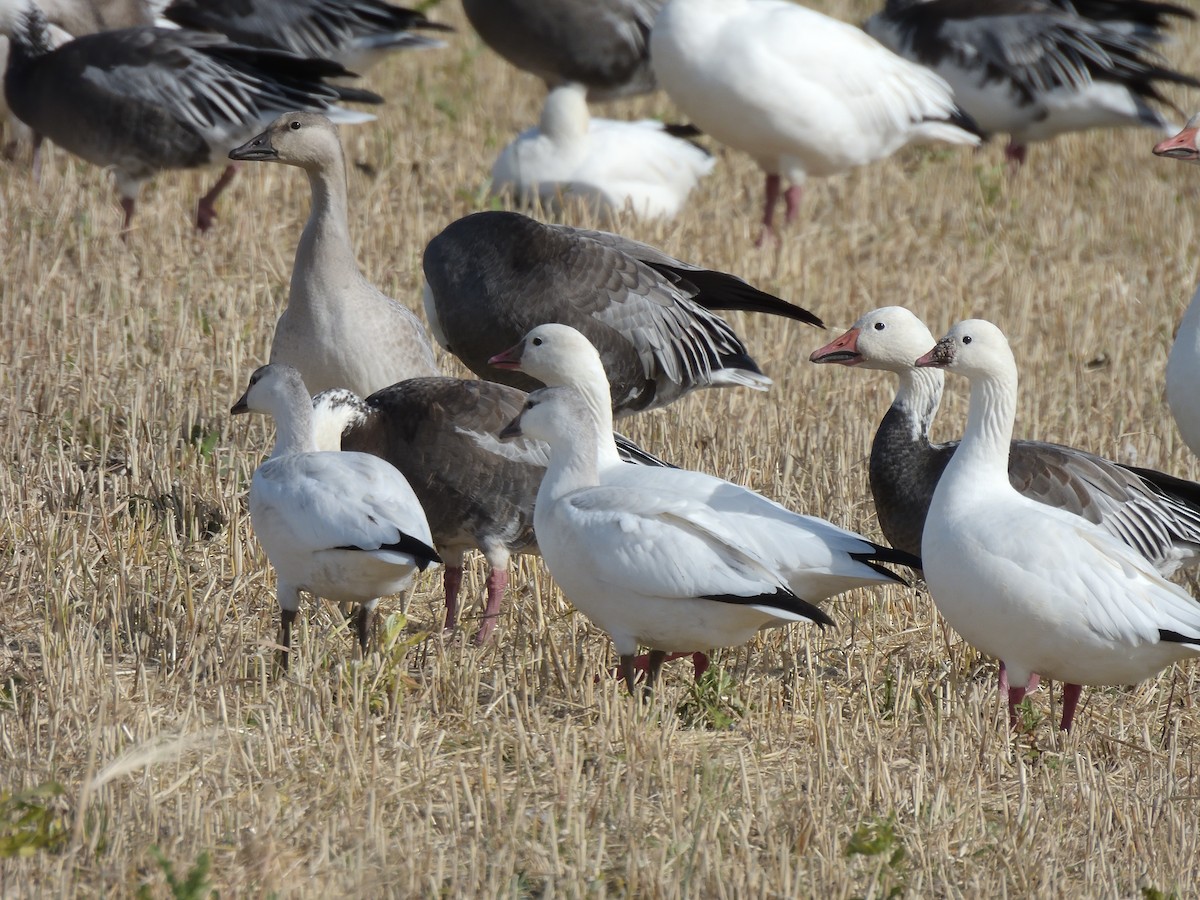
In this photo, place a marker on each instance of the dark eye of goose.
(537, 342)
(879, 326)
(295, 125)
(966, 339)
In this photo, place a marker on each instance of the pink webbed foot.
(496, 583)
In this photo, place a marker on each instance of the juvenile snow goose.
(492, 276)
(1034, 69)
(602, 44)
(1155, 514)
(343, 526)
(814, 558)
(145, 99)
(801, 93)
(608, 164)
(338, 329)
(1038, 587)
(355, 33)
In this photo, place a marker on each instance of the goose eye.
(295, 126)
(879, 326)
(537, 342)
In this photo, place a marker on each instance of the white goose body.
(1183, 376)
(613, 165)
(1042, 589)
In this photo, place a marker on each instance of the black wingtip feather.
(880, 555)
(782, 599)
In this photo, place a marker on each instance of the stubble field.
(142, 734)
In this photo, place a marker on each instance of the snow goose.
(814, 558)
(1038, 587)
(1155, 514)
(602, 44)
(801, 93)
(338, 329)
(492, 276)
(355, 33)
(343, 526)
(608, 164)
(1034, 69)
(146, 99)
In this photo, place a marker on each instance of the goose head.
(889, 339)
(1183, 146)
(974, 348)
(560, 356)
(306, 140)
(556, 415)
(273, 390)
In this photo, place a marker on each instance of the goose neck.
(325, 256)
(294, 428)
(917, 398)
(986, 441)
(573, 464)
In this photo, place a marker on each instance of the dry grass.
(138, 615)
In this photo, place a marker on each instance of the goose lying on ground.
(1040, 588)
(1035, 69)
(1183, 363)
(1155, 514)
(492, 276)
(142, 100)
(355, 33)
(607, 164)
(343, 526)
(801, 93)
(602, 44)
(814, 558)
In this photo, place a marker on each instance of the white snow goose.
(1156, 514)
(1183, 363)
(355, 33)
(343, 526)
(607, 164)
(814, 558)
(601, 44)
(1034, 69)
(1041, 588)
(493, 276)
(146, 99)
(801, 93)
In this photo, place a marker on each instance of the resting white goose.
(602, 44)
(607, 164)
(338, 329)
(1156, 514)
(146, 99)
(355, 33)
(1034, 69)
(492, 276)
(1183, 363)
(815, 558)
(343, 526)
(801, 93)
(1040, 588)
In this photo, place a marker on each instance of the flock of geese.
(393, 466)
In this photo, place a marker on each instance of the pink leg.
(1034, 680)
(452, 583)
(791, 199)
(206, 212)
(1003, 678)
(1015, 154)
(1015, 696)
(642, 663)
(699, 664)
(127, 204)
(496, 583)
(1071, 694)
(772, 199)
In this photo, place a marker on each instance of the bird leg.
(451, 584)
(1071, 694)
(206, 212)
(37, 159)
(1015, 696)
(127, 204)
(362, 625)
(1016, 154)
(768, 219)
(642, 663)
(629, 671)
(791, 198)
(286, 618)
(657, 658)
(497, 581)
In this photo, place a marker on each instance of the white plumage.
(1040, 588)
(802, 93)
(608, 164)
(344, 526)
(677, 523)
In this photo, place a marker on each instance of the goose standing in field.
(492, 276)
(1183, 363)
(1035, 69)
(1038, 587)
(1155, 514)
(814, 558)
(146, 99)
(609, 164)
(601, 44)
(801, 93)
(355, 33)
(343, 526)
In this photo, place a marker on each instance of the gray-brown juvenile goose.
(601, 44)
(141, 100)
(1156, 514)
(491, 277)
(355, 33)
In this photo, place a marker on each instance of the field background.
(142, 735)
